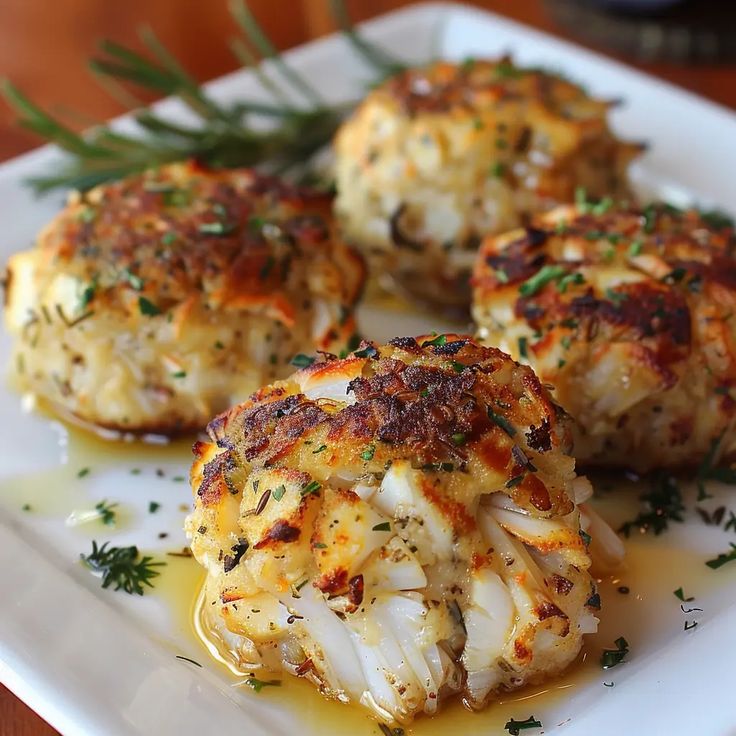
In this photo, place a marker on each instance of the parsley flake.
(258, 685)
(515, 727)
(302, 361)
(313, 486)
(723, 558)
(147, 307)
(612, 657)
(368, 453)
(435, 342)
(544, 276)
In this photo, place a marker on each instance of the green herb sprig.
(122, 567)
(662, 504)
(222, 135)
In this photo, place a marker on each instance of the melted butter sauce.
(654, 568)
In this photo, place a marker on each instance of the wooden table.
(30, 39)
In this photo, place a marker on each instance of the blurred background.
(44, 47)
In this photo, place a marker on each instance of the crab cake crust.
(406, 516)
(440, 156)
(149, 304)
(628, 314)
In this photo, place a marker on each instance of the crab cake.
(149, 304)
(397, 527)
(629, 315)
(439, 156)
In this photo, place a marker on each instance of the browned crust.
(184, 230)
(443, 403)
(655, 311)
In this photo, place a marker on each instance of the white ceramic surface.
(97, 662)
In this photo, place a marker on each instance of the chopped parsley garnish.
(513, 482)
(523, 347)
(122, 567)
(458, 438)
(369, 351)
(501, 422)
(219, 345)
(723, 558)
(179, 374)
(587, 539)
(544, 276)
(278, 492)
(662, 504)
(169, 237)
(26, 507)
(498, 170)
(86, 215)
(153, 507)
(458, 367)
(679, 593)
(321, 448)
(617, 297)
(515, 727)
(147, 307)
(216, 228)
(435, 342)
(135, 281)
(650, 219)
(106, 512)
(612, 657)
(313, 486)
(83, 472)
(88, 294)
(258, 685)
(505, 70)
(567, 279)
(384, 526)
(635, 248)
(501, 276)
(581, 199)
(302, 361)
(602, 206)
(256, 224)
(368, 453)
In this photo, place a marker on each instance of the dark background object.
(647, 30)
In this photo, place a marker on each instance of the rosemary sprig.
(222, 136)
(122, 567)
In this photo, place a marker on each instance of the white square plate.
(92, 661)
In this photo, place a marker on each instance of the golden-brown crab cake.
(149, 304)
(438, 157)
(628, 314)
(397, 527)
